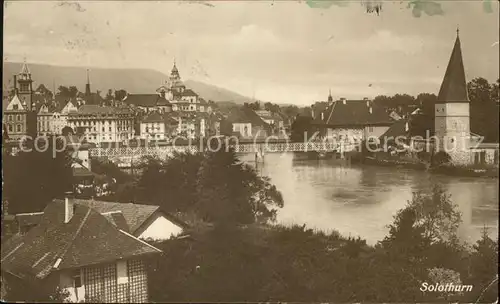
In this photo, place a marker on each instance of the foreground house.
(146, 222)
(81, 251)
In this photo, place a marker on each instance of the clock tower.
(452, 119)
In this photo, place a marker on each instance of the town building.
(146, 222)
(173, 96)
(452, 118)
(149, 102)
(19, 115)
(92, 256)
(102, 123)
(247, 124)
(352, 121)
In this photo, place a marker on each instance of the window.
(11, 128)
(18, 117)
(18, 128)
(77, 279)
(495, 157)
(15, 107)
(9, 117)
(479, 157)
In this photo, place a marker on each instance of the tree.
(120, 94)
(213, 185)
(484, 270)
(15, 290)
(44, 91)
(483, 108)
(33, 179)
(108, 100)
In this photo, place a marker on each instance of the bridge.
(124, 156)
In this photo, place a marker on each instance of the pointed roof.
(454, 85)
(25, 69)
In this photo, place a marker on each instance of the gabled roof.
(15, 101)
(146, 100)
(245, 115)
(188, 92)
(356, 113)
(134, 214)
(153, 117)
(87, 239)
(398, 128)
(454, 86)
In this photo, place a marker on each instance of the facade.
(352, 121)
(44, 121)
(94, 258)
(102, 123)
(19, 116)
(153, 127)
(452, 118)
(247, 124)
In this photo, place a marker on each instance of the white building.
(102, 123)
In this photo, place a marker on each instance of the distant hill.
(131, 80)
(211, 92)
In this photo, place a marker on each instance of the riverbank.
(464, 171)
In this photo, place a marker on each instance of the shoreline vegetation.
(234, 252)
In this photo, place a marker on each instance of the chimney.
(68, 207)
(322, 116)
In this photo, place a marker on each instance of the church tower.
(25, 92)
(452, 118)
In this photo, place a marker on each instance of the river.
(361, 200)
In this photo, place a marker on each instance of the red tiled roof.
(454, 85)
(87, 239)
(356, 113)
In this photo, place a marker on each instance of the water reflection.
(362, 200)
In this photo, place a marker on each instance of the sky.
(283, 51)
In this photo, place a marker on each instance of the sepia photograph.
(266, 151)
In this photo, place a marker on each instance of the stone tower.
(452, 119)
(25, 92)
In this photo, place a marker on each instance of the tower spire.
(87, 87)
(454, 85)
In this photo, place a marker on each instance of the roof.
(82, 172)
(153, 117)
(356, 113)
(245, 115)
(25, 69)
(134, 214)
(146, 100)
(87, 239)
(188, 92)
(397, 129)
(97, 109)
(28, 219)
(116, 218)
(454, 86)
